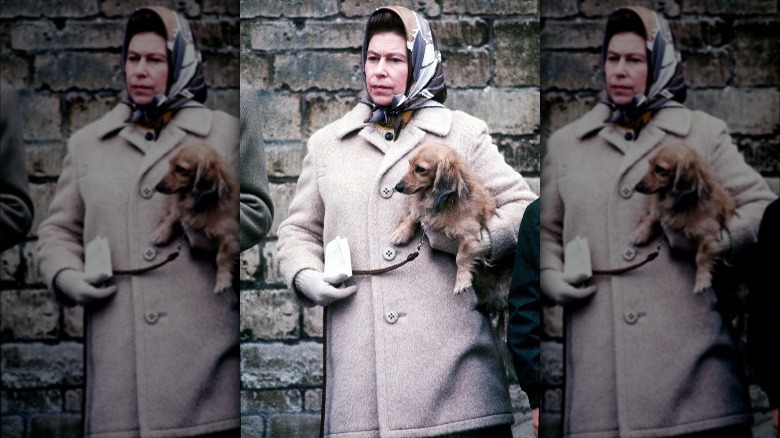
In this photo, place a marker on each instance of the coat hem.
(441, 429)
(218, 426)
(698, 426)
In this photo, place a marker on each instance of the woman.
(161, 348)
(645, 356)
(404, 355)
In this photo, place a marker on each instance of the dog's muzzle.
(162, 188)
(400, 187)
(641, 188)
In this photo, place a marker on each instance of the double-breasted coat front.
(406, 357)
(645, 356)
(162, 353)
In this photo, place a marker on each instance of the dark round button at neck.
(629, 136)
(389, 136)
(149, 136)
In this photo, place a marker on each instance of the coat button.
(147, 192)
(631, 317)
(151, 316)
(149, 136)
(388, 136)
(386, 192)
(629, 254)
(626, 192)
(391, 316)
(629, 136)
(388, 253)
(149, 254)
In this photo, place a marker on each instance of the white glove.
(561, 289)
(80, 288)
(320, 288)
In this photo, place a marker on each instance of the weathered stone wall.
(304, 57)
(730, 53)
(64, 58)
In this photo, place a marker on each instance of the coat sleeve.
(16, 207)
(551, 216)
(300, 244)
(524, 326)
(61, 234)
(256, 207)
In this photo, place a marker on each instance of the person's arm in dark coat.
(763, 331)
(16, 207)
(257, 211)
(524, 328)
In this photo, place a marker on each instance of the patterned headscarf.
(425, 84)
(665, 84)
(186, 85)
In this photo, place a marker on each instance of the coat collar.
(436, 120)
(674, 120)
(195, 120)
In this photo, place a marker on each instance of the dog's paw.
(162, 235)
(224, 283)
(401, 235)
(461, 287)
(641, 236)
(703, 282)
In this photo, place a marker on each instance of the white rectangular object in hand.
(97, 259)
(337, 258)
(577, 259)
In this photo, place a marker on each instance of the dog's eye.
(660, 170)
(179, 169)
(419, 169)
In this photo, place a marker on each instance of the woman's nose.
(381, 67)
(139, 69)
(620, 68)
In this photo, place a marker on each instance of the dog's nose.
(399, 187)
(160, 187)
(640, 187)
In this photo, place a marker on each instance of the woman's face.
(146, 67)
(625, 67)
(386, 67)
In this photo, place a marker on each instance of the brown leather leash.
(409, 258)
(171, 257)
(650, 257)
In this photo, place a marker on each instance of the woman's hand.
(562, 289)
(81, 288)
(320, 288)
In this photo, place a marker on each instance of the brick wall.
(305, 59)
(64, 58)
(730, 53)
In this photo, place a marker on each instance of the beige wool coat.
(406, 357)
(645, 356)
(162, 353)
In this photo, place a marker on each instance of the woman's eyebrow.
(374, 52)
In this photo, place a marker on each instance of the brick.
(762, 154)
(24, 8)
(468, 31)
(10, 261)
(215, 33)
(756, 52)
(519, 400)
(288, 425)
(269, 366)
(553, 400)
(271, 273)
(249, 264)
(558, 34)
(740, 7)
(571, 71)
(516, 53)
(590, 8)
(552, 321)
(79, 70)
(269, 315)
(491, 105)
(73, 321)
(700, 32)
(45, 159)
(281, 117)
(38, 365)
(221, 69)
(270, 35)
(226, 100)
(45, 35)
(758, 398)
(706, 69)
(255, 69)
(28, 314)
(744, 111)
(73, 400)
(273, 8)
(522, 154)
(11, 425)
(41, 116)
(312, 70)
(362, 8)
(282, 195)
(500, 7)
(285, 159)
(252, 425)
(558, 9)
(231, 7)
(286, 400)
(42, 195)
(467, 68)
(322, 109)
(113, 8)
(82, 109)
(14, 69)
(558, 110)
(55, 425)
(533, 184)
(312, 321)
(551, 359)
(312, 400)
(27, 401)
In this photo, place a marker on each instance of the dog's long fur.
(205, 198)
(685, 197)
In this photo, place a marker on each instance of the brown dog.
(205, 199)
(448, 198)
(685, 198)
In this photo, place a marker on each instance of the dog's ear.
(689, 185)
(448, 183)
(205, 189)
